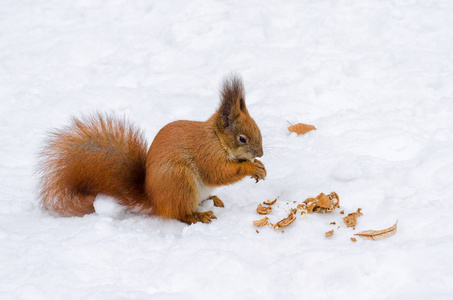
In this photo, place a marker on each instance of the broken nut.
(323, 201)
(334, 199)
(351, 219)
(263, 210)
(261, 222)
(302, 209)
(329, 233)
(270, 202)
(286, 221)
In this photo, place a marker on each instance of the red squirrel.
(104, 155)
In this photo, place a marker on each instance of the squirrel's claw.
(204, 217)
(260, 170)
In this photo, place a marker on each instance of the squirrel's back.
(94, 155)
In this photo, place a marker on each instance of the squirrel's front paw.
(217, 201)
(260, 170)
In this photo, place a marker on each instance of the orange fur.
(103, 155)
(95, 155)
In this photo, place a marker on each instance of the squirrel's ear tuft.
(225, 114)
(232, 99)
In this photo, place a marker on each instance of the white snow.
(107, 207)
(375, 78)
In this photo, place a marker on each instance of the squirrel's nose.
(259, 152)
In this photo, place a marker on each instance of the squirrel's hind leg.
(204, 217)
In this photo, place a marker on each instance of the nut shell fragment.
(323, 201)
(263, 210)
(309, 200)
(270, 202)
(285, 222)
(329, 233)
(302, 209)
(311, 206)
(261, 222)
(334, 199)
(351, 219)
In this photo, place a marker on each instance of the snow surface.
(375, 78)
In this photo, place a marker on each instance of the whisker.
(271, 151)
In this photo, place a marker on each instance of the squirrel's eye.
(242, 139)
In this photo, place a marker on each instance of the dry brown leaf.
(270, 202)
(263, 210)
(354, 239)
(285, 222)
(261, 222)
(301, 128)
(378, 234)
(329, 233)
(351, 219)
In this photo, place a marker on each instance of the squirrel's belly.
(204, 191)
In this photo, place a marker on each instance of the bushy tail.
(94, 155)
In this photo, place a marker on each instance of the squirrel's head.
(237, 130)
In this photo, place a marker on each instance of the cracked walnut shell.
(322, 203)
(261, 222)
(351, 219)
(270, 202)
(263, 210)
(286, 221)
